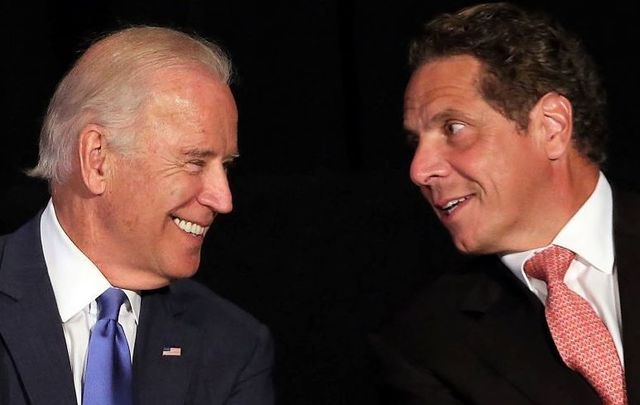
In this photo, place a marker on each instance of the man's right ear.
(93, 158)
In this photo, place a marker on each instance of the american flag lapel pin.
(172, 351)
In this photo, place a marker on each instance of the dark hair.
(524, 56)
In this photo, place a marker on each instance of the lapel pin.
(172, 351)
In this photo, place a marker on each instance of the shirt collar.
(588, 233)
(75, 280)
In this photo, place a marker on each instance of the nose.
(215, 192)
(429, 163)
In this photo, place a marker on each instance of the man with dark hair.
(508, 117)
(95, 304)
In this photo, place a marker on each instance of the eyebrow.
(198, 153)
(448, 114)
(442, 116)
(206, 153)
(435, 121)
(232, 157)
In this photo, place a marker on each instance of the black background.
(328, 235)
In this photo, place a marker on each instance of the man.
(134, 146)
(507, 114)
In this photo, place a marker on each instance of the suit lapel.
(506, 323)
(627, 246)
(162, 378)
(30, 325)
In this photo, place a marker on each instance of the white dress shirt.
(76, 283)
(592, 274)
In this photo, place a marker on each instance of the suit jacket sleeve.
(401, 383)
(254, 386)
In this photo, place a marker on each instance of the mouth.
(190, 227)
(450, 206)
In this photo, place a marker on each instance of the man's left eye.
(196, 164)
(454, 127)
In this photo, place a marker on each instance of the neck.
(569, 185)
(78, 216)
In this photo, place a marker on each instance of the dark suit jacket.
(479, 336)
(227, 355)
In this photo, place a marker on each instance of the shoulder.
(230, 352)
(22, 245)
(228, 335)
(625, 206)
(425, 345)
(441, 311)
(211, 313)
(25, 235)
(447, 293)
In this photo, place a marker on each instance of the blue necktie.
(107, 378)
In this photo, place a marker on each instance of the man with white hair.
(95, 305)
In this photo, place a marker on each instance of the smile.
(452, 205)
(190, 227)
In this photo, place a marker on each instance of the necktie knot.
(582, 339)
(549, 265)
(109, 303)
(108, 372)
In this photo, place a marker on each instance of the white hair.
(107, 86)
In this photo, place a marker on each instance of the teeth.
(190, 227)
(453, 202)
(452, 205)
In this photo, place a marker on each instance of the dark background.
(328, 236)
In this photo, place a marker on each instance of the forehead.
(449, 80)
(188, 104)
(188, 89)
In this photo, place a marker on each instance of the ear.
(93, 153)
(556, 124)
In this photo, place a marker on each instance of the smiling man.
(95, 305)
(506, 112)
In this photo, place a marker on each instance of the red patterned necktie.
(581, 337)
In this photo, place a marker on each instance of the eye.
(453, 127)
(196, 164)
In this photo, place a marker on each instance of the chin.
(475, 248)
(182, 269)
(462, 248)
(185, 273)
(468, 246)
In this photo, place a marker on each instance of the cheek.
(134, 211)
(495, 176)
(139, 202)
(181, 188)
(477, 165)
(519, 177)
(121, 213)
